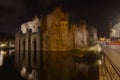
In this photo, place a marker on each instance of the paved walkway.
(109, 70)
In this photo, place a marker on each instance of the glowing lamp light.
(91, 48)
(102, 39)
(96, 48)
(3, 45)
(99, 62)
(3, 52)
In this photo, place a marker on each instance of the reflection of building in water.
(47, 65)
(55, 65)
(2, 56)
(51, 33)
(115, 31)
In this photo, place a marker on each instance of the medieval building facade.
(115, 31)
(51, 32)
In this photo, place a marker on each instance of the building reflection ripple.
(55, 66)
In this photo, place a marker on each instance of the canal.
(21, 65)
(7, 68)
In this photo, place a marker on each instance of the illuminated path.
(113, 52)
(111, 66)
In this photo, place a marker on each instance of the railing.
(108, 71)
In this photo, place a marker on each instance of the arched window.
(19, 50)
(35, 50)
(34, 44)
(19, 44)
(23, 43)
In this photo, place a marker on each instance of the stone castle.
(52, 32)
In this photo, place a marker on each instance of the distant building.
(52, 32)
(93, 38)
(115, 31)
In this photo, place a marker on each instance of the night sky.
(98, 13)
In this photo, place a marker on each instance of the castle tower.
(63, 25)
(82, 31)
(74, 35)
(63, 29)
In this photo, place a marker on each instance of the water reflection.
(56, 66)
(7, 66)
(2, 55)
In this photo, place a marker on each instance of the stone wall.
(52, 36)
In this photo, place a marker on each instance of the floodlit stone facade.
(93, 38)
(51, 32)
(115, 31)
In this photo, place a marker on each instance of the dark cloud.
(10, 12)
(97, 12)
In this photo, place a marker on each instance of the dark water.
(22, 65)
(7, 68)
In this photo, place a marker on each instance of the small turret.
(63, 24)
